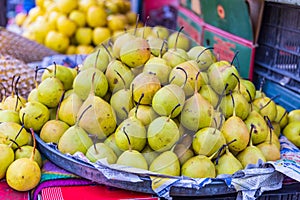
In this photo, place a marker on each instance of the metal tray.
(89, 172)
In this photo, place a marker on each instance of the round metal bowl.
(88, 171)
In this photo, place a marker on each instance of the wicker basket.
(22, 48)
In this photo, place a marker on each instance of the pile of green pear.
(151, 99)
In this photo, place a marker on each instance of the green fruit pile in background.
(153, 100)
(75, 26)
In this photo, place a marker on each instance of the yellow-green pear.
(100, 151)
(199, 166)
(166, 163)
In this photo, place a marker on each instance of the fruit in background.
(83, 5)
(101, 35)
(294, 115)
(84, 49)
(101, 151)
(20, 18)
(166, 163)
(24, 174)
(292, 132)
(35, 114)
(57, 41)
(66, 26)
(84, 35)
(52, 18)
(116, 22)
(78, 17)
(7, 156)
(66, 6)
(96, 16)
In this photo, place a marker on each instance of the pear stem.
(34, 144)
(94, 144)
(12, 85)
(220, 98)
(196, 82)
(59, 104)
(239, 82)
(21, 127)
(92, 91)
(138, 104)
(54, 73)
(162, 47)
(269, 123)
(221, 121)
(128, 139)
(145, 25)
(186, 76)
(285, 113)
(106, 49)
(221, 149)
(271, 99)
(136, 24)
(233, 103)
(35, 76)
(198, 57)
(14, 142)
(175, 46)
(84, 111)
(252, 128)
(98, 52)
(124, 83)
(234, 57)
(173, 110)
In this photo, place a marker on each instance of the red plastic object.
(93, 192)
(7, 193)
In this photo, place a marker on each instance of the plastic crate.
(277, 58)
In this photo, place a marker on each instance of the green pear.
(167, 98)
(7, 156)
(281, 116)
(115, 82)
(149, 154)
(209, 94)
(199, 166)
(166, 163)
(266, 106)
(35, 114)
(261, 130)
(251, 154)
(119, 42)
(222, 76)
(98, 59)
(69, 108)
(100, 151)
(178, 40)
(159, 67)
(49, 91)
(292, 132)
(247, 89)
(207, 141)
(162, 134)
(135, 52)
(26, 151)
(144, 113)
(242, 107)
(202, 55)
(227, 163)
(63, 73)
(156, 45)
(175, 56)
(9, 116)
(147, 84)
(14, 131)
(52, 130)
(132, 158)
(161, 31)
(184, 75)
(111, 142)
(294, 115)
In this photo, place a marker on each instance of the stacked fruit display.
(151, 100)
(75, 26)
